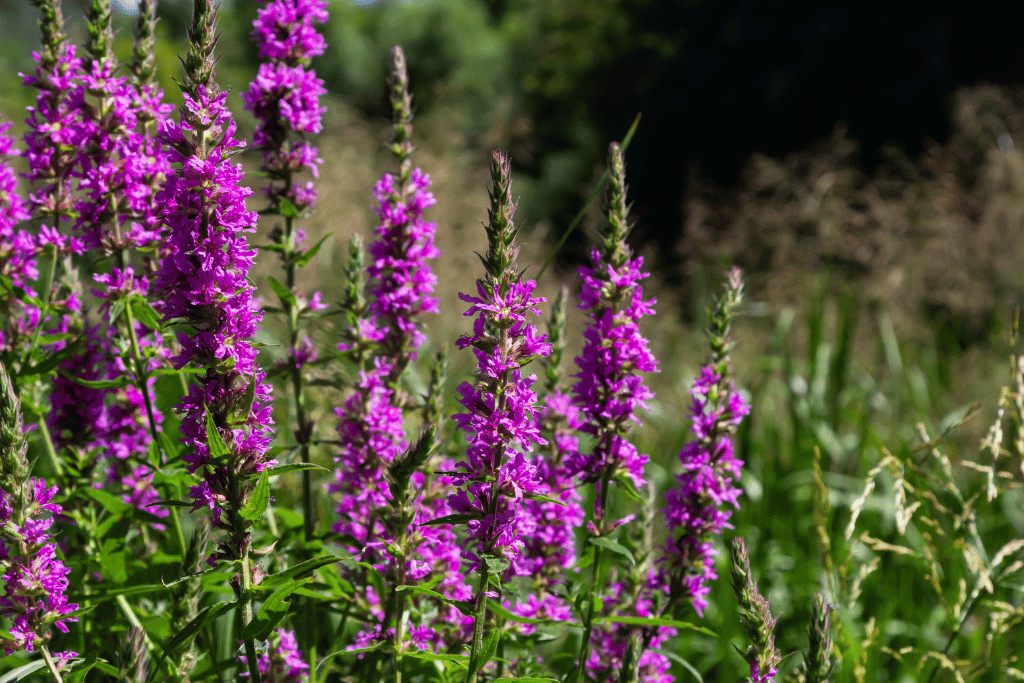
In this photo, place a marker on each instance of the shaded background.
(860, 162)
(718, 86)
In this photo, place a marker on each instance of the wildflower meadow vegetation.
(359, 499)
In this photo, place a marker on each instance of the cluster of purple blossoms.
(282, 662)
(372, 419)
(372, 434)
(401, 282)
(500, 422)
(371, 422)
(110, 422)
(285, 96)
(609, 388)
(701, 504)
(35, 579)
(56, 131)
(121, 163)
(17, 247)
(500, 419)
(203, 278)
(119, 166)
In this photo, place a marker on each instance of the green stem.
(250, 644)
(588, 621)
(51, 452)
(51, 274)
(595, 588)
(50, 663)
(478, 626)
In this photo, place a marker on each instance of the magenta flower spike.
(35, 579)
(700, 506)
(500, 419)
(204, 283)
(609, 387)
(285, 98)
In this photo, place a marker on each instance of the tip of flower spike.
(616, 228)
(401, 104)
(499, 261)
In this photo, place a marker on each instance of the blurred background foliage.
(862, 165)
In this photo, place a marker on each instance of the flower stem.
(478, 626)
(50, 663)
(51, 452)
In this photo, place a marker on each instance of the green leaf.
(22, 671)
(81, 612)
(143, 312)
(489, 647)
(463, 606)
(451, 519)
(205, 616)
(495, 565)
(115, 383)
(243, 409)
(304, 258)
(110, 502)
(294, 467)
(19, 293)
(117, 507)
(98, 595)
(80, 670)
(45, 366)
(287, 208)
(655, 621)
(497, 609)
(431, 657)
(274, 609)
(218, 449)
(116, 309)
(279, 579)
(609, 544)
(258, 501)
(527, 679)
(283, 293)
(629, 487)
(545, 499)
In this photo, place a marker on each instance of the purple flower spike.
(204, 281)
(500, 419)
(609, 388)
(706, 493)
(285, 97)
(35, 578)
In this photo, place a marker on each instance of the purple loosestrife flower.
(17, 248)
(56, 132)
(700, 506)
(121, 163)
(401, 282)
(549, 529)
(285, 97)
(203, 279)
(609, 387)
(33, 597)
(500, 420)
(282, 662)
